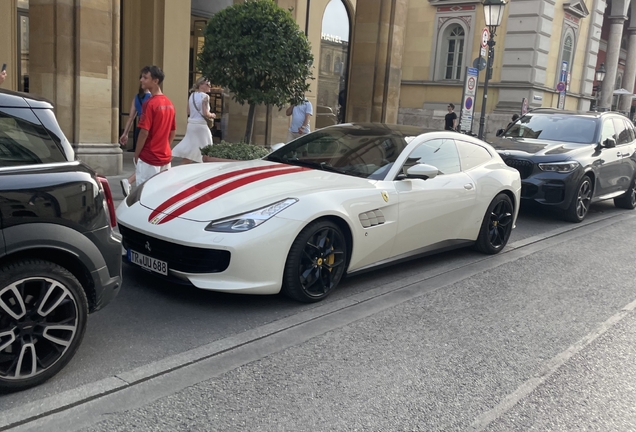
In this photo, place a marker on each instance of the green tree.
(257, 51)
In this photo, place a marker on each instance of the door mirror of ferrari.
(422, 171)
(609, 143)
(500, 132)
(276, 146)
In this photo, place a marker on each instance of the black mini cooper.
(59, 256)
(568, 160)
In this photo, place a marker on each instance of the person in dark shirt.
(515, 117)
(450, 120)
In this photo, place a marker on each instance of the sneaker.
(125, 187)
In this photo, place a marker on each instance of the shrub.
(238, 151)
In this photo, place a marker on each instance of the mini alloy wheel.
(496, 226)
(316, 262)
(43, 313)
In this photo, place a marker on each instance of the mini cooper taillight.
(109, 204)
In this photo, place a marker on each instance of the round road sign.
(469, 103)
(471, 83)
(479, 63)
(485, 35)
(560, 86)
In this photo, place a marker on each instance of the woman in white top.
(198, 133)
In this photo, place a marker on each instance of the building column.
(157, 32)
(72, 63)
(611, 60)
(629, 76)
(376, 61)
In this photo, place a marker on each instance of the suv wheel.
(43, 311)
(581, 201)
(628, 199)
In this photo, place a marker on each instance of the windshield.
(355, 151)
(555, 127)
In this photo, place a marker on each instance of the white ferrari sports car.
(342, 199)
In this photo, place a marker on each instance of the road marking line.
(550, 367)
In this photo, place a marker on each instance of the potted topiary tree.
(256, 50)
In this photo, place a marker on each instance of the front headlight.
(252, 219)
(560, 167)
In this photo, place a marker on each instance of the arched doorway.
(333, 66)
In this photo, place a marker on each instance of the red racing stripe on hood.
(207, 183)
(223, 190)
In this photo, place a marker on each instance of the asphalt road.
(389, 350)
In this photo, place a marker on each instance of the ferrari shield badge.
(385, 196)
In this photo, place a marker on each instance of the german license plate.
(148, 263)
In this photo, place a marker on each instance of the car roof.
(13, 99)
(382, 128)
(593, 114)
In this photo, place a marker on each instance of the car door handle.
(625, 155)
(619, 154)
(469, 186)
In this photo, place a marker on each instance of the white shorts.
(144, 171)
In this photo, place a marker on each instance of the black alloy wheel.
(581, 201)
(316, 262)
(43, 311)
(628, 199)
(496, 226)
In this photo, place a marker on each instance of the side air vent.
(372, 218)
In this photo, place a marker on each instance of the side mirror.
(500, 132)
(609, 143)
(422, 171)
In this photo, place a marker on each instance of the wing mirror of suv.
(609, 143)
(422, 171)
(500, 132)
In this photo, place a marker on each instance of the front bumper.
(546, 188)
(255, 259)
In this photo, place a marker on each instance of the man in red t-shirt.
(157, 128)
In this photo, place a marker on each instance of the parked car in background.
(59, 256)
(343, 199)
(569, 160)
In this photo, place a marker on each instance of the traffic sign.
(469, 103)
(560, 86)
(479, 63)
(471, 83)
(485, 35)
(524, 106)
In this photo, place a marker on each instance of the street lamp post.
(600, 77)
(493, 14)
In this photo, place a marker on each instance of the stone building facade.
(404, 60)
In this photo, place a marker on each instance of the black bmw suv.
(568, 160)
(59, 256)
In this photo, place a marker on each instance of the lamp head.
(493, 13)
(600, 73)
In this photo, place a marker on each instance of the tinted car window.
(361, 152)
(622, 133)
(24, 141)
(440, 153)
(472, 155)
(554, 127)
(608, 131)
